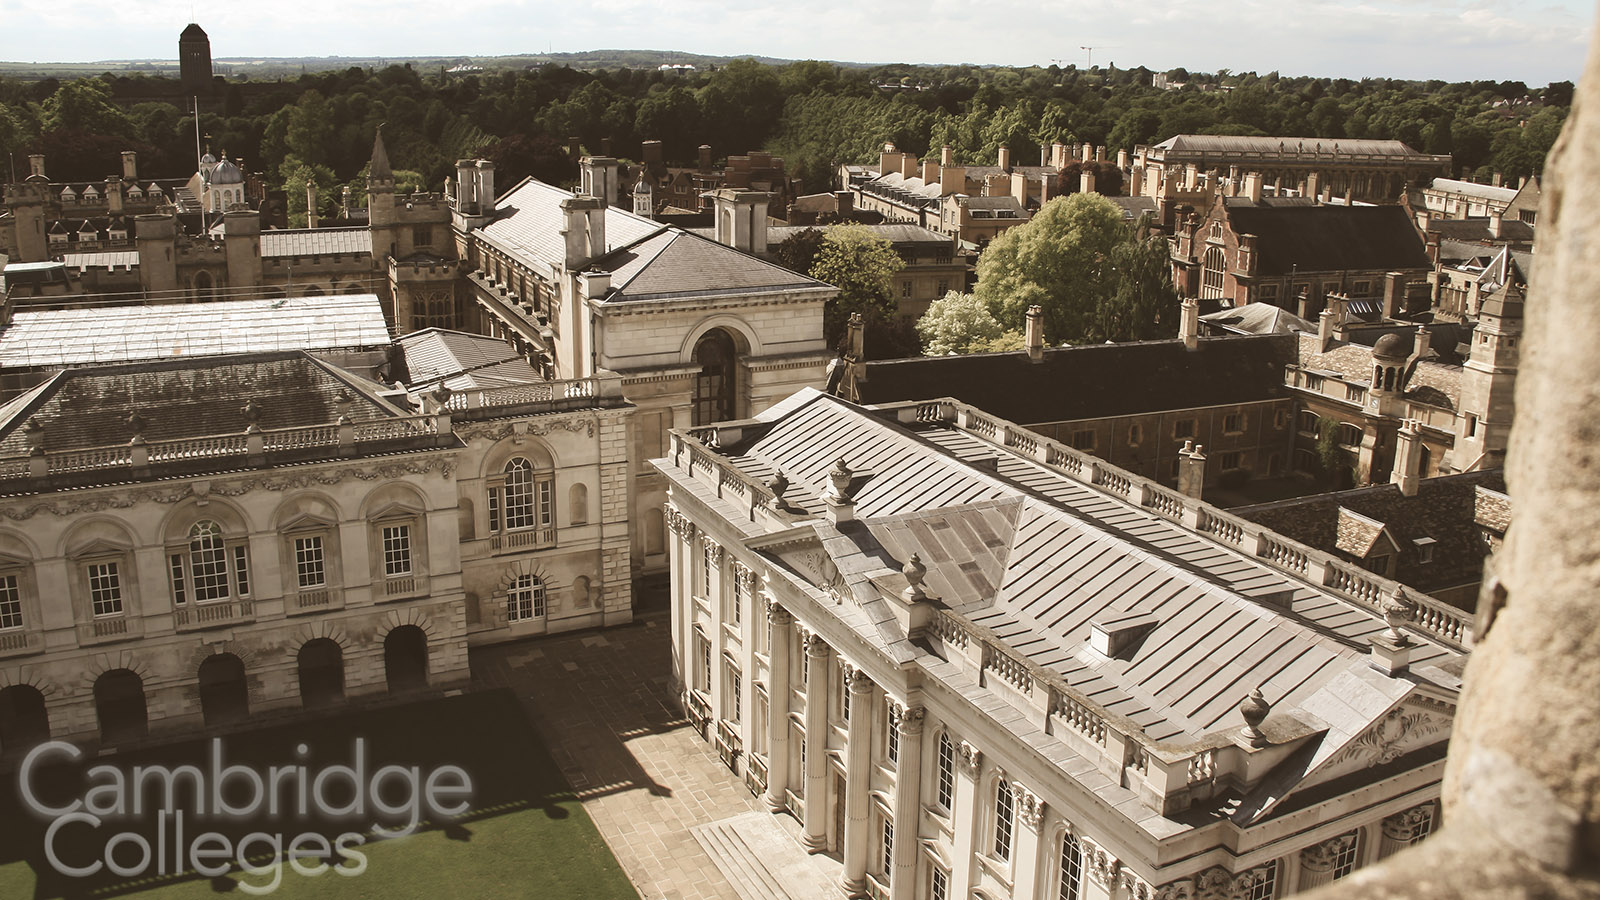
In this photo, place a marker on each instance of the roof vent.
(1117, 633)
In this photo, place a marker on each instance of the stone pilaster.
(1029, 810)
(858, 779)
(965, 817)
(779, 638)
(907, 803)
(815, 835)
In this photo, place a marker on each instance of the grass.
(526, 836)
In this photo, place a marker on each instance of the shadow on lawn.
(485, 733)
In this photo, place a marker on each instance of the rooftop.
(100, 334)
(1226, 145)
(462, 361)
(1328, 238)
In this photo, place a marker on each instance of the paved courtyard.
(603, 702)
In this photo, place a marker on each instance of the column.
(778, 706)
(858, 778)
(682, 603)
(815, 837)
(907, 804)
(1025, 842)
(965, 817)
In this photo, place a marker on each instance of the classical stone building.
(193, 541)
(972, 661)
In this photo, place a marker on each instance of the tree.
(1059, 260)
(295, 174)
(798, 251)
(84, 105)
(961, 323)
(862, 266)
(1141, 271)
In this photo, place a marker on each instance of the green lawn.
(525, 836)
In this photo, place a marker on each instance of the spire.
(380, 159)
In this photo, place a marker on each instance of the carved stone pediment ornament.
(1396, 734)
(971, 758)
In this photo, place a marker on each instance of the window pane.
(208, 562)
(308, 562)
(519, 494)
(179, 593)
(10, 602)
(241, 570)
(396, 550)
(105, 589)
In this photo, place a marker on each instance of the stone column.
(815, 837)
(858, 778)
(907, 804)
(1317, 861)
(1025, 841)
(965, 817)
(779, 640)
(682, 601)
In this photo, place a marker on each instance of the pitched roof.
(315, 242)
(1472, 189)
(1221, 144)
(1328, 238)
(1430, 383)
(184, 398)
(462, 361)
(1036, 557)
(1091, 381)
(87, 335)
(1258, 318)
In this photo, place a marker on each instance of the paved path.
(603, 701)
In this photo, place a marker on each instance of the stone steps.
(742, 867)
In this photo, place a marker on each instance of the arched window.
(1211, 275)
(714, 384)
(526, 599)
(1002, 819)
(203, 286)
(1071, 868)
(946, 788)
(522, 498)
(209, 566)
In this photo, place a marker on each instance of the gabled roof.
(1328, 238)
(647, 260)
(1219, 144)
(1472, 189)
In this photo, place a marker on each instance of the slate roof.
(87, 335)
(1220, 145)
(462, 361)
(104, 259)
(896, 233)
(186, 398)
(1036, 557)
(1431, 383)
(1091, 381)
(315, 242)
(647, 260)
(1328, 238)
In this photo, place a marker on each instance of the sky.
(1454, 40)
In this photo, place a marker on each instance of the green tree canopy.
(1060, 261)
(961, 323)
(84, 105)
(862, 266)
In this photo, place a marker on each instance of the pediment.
(99, 547)
(1411, 725)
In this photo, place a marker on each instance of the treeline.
(816, 115)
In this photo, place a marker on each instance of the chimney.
(650, 153)
(466, 187)
(1019, 187)
(1035, 333)
(311, 204)
(1044, 153)
(952, 178)
(1314, 184)
(1086, 153)
(485, 187)
(1495, 223)
(889, 159)
(1122, 160)
(1136, 182)
(1252, 186)
(1191, 470)
(114, 195)
(1233, 182)
(574, 148)
(930, 171)
(1305, 304)
(1100, 153)
(908, 166)
(1394, 293)
(1086, 182)
(741, 219)
(1191, 177)
(1326, 325)
(947, 157)
(1433, 247)
(597, 177)
(1189, 323)
(130, 166)
(844, 204)
(705, 157)
(605, 146)
(1408, 458)
(1497, 180)
(36, 165)
(856, 337)
(583, 230)
(1005, 159)
(1044, 188)
(1522, 182)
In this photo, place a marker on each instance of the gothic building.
(972, 661)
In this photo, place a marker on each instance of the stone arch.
(229, 515)
(392, 494)
(319, 663)
(120, 705)
(744, 337)
(578, 503)
(18, 546)
(405, 658)
(582, 591)
(537, 451)
(224, 689)
(716, 383)
(24, 720)
(203, 286)
(92, 531)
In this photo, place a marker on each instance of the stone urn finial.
(839, 479)
(33, 433)
(914, 571)
(1397, 610)
(778, 484)
(1254, 708)
(136, 424)
(252, 413)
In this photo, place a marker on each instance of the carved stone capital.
(971, 758)
(1321, 857)
(1030, 808)
(778, 616)
(816, 647)
(1103, 868)
(1175, 890)
(1407, 826)
(911, 718)
(859, 681)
